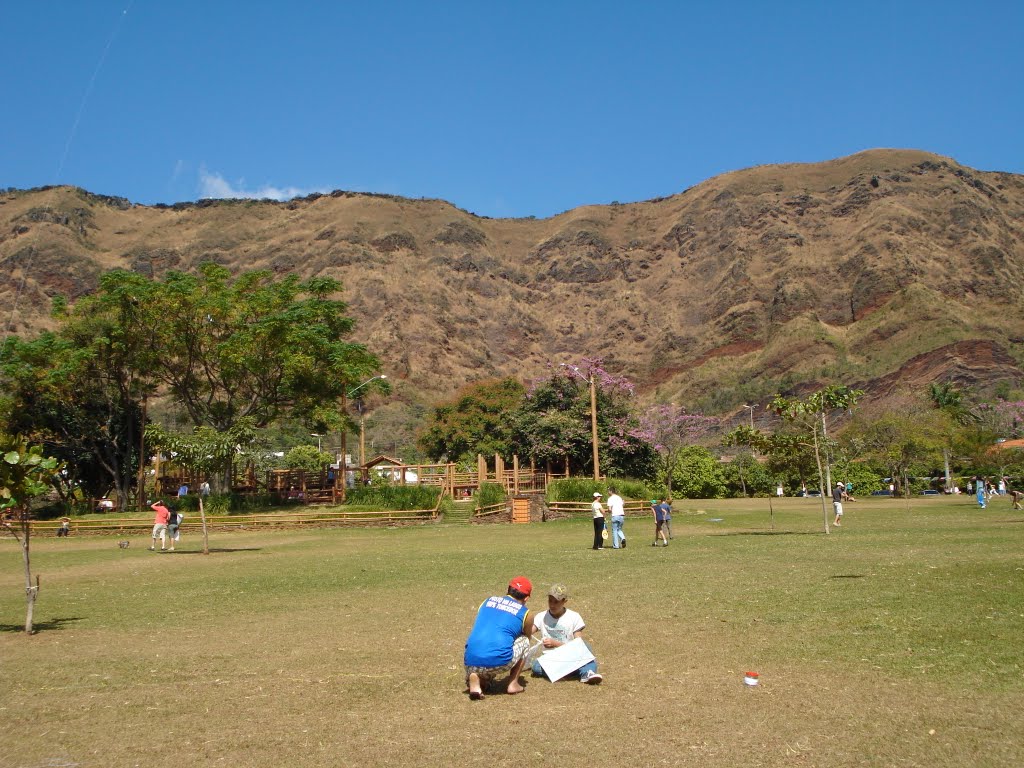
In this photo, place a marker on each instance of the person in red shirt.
(163, 514)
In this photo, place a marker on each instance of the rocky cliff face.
(886, 268)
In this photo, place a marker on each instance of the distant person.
(499, 642)
(1002, 486)
(597, 510)
(617, 509)
(182, 491)
(779, 491)
(64, 529)
(174, 527)
(163, 514)
(666, 517)
(837, 503)
(659, 523)
(557, 626)
(204, 489)
(979, 485)
(970, 486)
(1016, 497)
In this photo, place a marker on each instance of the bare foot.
(514, 687)
(475, 691)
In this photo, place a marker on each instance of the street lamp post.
(314, 434)
(344, 436)
(751, 409)
(593, 414)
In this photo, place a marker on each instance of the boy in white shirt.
(557, 626)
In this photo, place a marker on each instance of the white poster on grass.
(560, 661)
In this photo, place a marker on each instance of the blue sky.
(502, 108)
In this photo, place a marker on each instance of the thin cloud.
(213, 185)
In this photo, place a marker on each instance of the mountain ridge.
(885, 268)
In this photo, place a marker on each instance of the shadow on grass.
(40, 626)
(215, 550)
(769, 533)
(848, 576)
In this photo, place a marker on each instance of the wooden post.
(515, 474)
(481, 470)
(344, 447)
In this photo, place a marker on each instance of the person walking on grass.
(659, 523)
(837, 503)
(499, 642)
(557, 626)
(617, 508)
(163, 514)
(174, 527)
(666, 517)
(597, 509)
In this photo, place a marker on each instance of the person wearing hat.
(659, 522)
(837, 503)
(598, 509)
(499, 642)
(557, 626)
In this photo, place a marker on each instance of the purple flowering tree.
(670, 429)
(554, 421)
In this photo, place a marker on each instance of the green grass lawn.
(894, 641)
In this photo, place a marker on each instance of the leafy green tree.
(554, 422)
(307, 457)
(790, 459)
(253, 347)
(479, 420)
(746, 476)
(79, 391)
(906, 442)
(810, 416)
(206, 451)
(698, 474)
(25, 473)
(951, 402)
(669, 429)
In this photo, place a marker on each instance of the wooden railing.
(490, 509)
(193, 523)
(583, 508)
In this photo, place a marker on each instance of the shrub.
(307, 457)
(490, 493)
(698, 475)
(583, 489)
(395, 496)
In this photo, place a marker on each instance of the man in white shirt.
(617, 508)
(557, 626)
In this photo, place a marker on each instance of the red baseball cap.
(521, 584)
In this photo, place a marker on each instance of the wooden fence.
(583, 508)
(193, 523)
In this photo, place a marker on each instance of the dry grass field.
(895, 641)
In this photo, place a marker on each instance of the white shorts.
(159, 529)
(838, 506)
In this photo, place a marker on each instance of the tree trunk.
(821, 479)
(202, 516)
(31, 590)
(945, 459)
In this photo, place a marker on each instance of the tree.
(307, 457)
(205, 451)
(907, 442)
(789, 454)
(810, 415)
(79, 393)
(748, 476)
(478, 420)
(25, 473)
(669, 429)
(253, 347)
(698, 474)
(554, 421)
(949, 400)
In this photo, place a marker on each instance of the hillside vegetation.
(882, 269)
